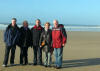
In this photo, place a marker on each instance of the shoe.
(58, 67)
(40, 64)
(45, 65)
(34, 63)
(4, 65)
(25, 63)
(21, 63)
(12, 64)
(55, 66)
(49, 65)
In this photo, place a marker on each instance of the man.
(36, 33)
(11, 38)
(59, 37)
(24, 43)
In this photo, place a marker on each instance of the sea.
(69, 27)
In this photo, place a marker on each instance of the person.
(45, 43)
(59, 38)
(11, 36)
(36, 33)
(24, 43)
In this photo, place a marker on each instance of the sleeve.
(51, 37)
(17, 37)
(31, 33)
(41, 38)
(5, 34)
(64, 35)
(30, 37)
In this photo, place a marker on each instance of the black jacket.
(36, 33)
(25, 37)
(11, 35)
(47, 37)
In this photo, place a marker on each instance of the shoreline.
(89, 28)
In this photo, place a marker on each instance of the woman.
(45, 43)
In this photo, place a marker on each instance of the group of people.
(39, 38)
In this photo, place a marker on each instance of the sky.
(82, 12)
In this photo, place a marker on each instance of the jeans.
(37, 54)
(47, 58)
(58, 53)
(7, 51)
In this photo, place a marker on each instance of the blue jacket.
(11, 35)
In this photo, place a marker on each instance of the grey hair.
(25, 21)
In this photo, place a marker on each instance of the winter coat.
(11, 35)
(59, 36)
(46, 37)
(25, 37)
(36, 33)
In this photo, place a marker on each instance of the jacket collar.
(37, 28)
(11, 26)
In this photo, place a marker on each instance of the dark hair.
(14, 19)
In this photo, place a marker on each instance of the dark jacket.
(25, 37)
(47, 37)
(11, 35)
(59, 36)
(36, 33)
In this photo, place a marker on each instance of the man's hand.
(63, 45)
(40, 46)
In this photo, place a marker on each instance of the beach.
(81, 53)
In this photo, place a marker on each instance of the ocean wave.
(68, 28)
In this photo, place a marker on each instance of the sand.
(81, 53)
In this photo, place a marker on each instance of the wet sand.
(81, 53)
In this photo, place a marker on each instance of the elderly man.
(25, 42)
(59, 37)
